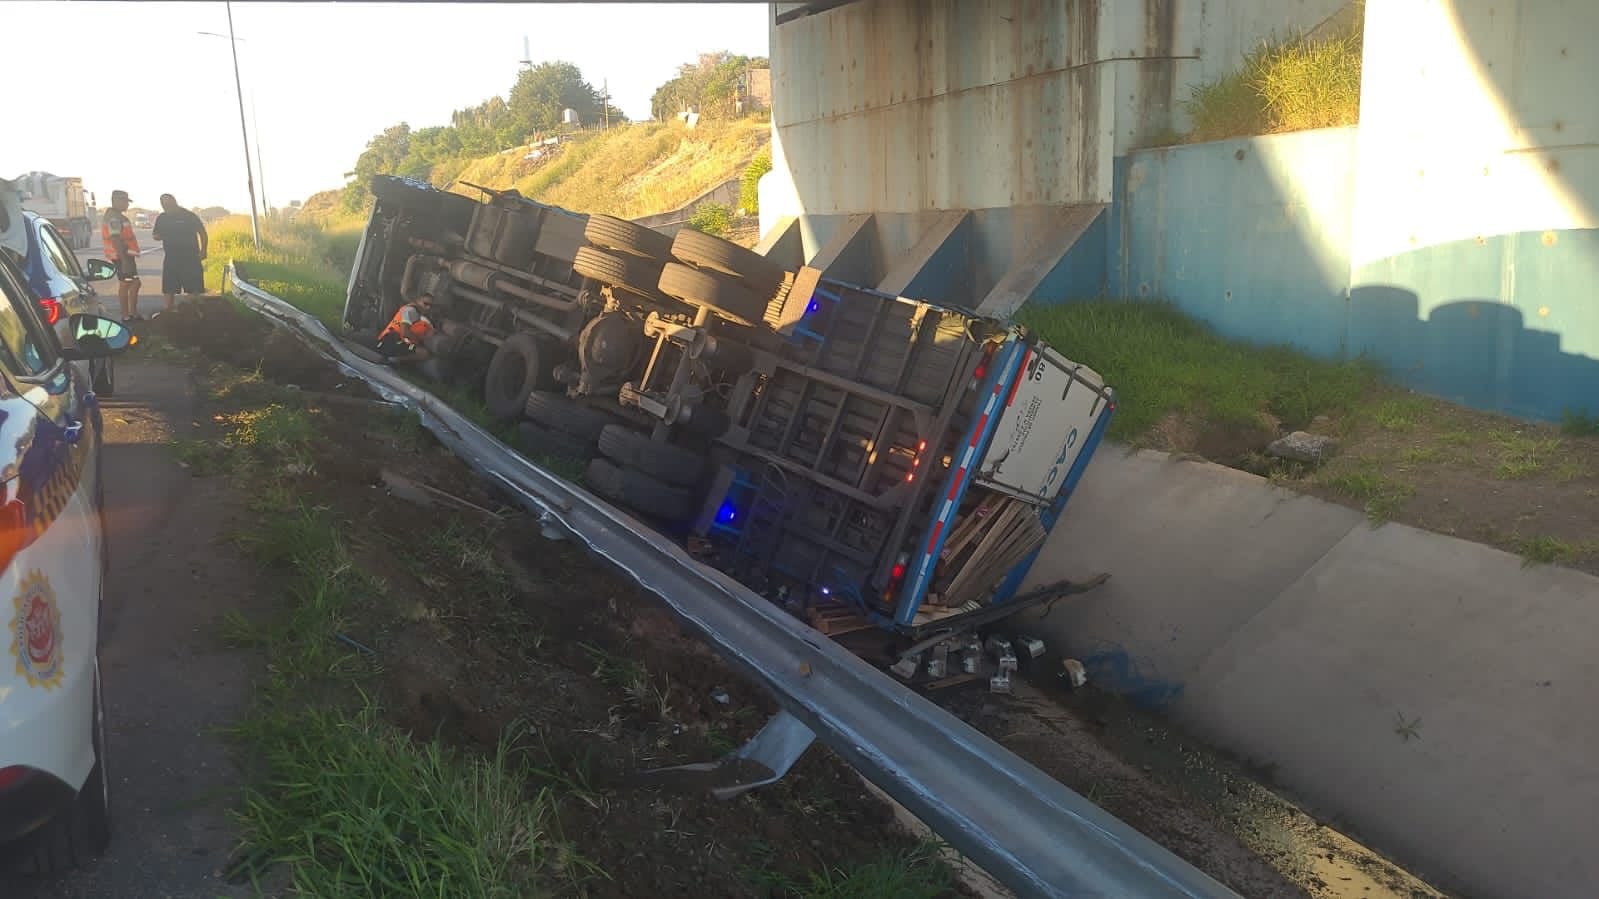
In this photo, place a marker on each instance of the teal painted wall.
(1253, 236)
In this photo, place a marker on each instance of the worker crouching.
(404, 339)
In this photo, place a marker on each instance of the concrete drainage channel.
(1019, 825)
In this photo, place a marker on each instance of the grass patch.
(631, 170)
(1399, 414)
(917, 872)
(1518, 455)
(1381, 496)
(1288, 86)
(1580, 424)
(1553, 551)
(1161, 361)
(357, 808)
(712, 218)
(302, 264)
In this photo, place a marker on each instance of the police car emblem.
(36, 632)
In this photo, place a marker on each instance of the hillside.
(629, 171)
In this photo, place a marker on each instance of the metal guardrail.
(1023, 827)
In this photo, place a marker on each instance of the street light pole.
(238, 86)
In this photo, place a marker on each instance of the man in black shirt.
(183, 236)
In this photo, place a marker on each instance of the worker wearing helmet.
(401, 339)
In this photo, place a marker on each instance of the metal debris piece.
(999, 683)
(971, 662)
(1007, 663)
(1032, 647)
(906, 667)
(1073, 672)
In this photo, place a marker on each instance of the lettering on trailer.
(36, 632)
(1054, 471)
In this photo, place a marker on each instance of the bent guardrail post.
(1023, 827)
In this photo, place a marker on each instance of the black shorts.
(127, 268)
(182, 276)
(393, 345)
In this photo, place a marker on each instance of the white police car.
(53, 785)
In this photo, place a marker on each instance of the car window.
(23, 347)
(56, 249)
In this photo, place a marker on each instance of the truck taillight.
(896, 576)
(52, 310)
(982, 365)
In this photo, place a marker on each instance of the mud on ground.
(483, 624)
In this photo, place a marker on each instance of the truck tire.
(660, 461)
(759, 274)
(719, 292)
(640, 492)
(539, 440)
(555, 410)
(516, 370)
(631, 273)
(627, 237)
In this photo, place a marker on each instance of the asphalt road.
(170, 683)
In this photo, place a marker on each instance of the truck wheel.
(640, 492)
(557, 411)
(720, 292)
(516, 370)
(761, 275)
(660, 461)
(83, 830)
(630, 273)
(627, 237)
(539, 440)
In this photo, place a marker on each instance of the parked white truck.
(63, 201)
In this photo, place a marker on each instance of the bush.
(1294, 86)
(749, 196)
(712, 218)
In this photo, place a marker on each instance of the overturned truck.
(860, 458)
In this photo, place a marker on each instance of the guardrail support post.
(763, 760)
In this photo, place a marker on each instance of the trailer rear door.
(1045, 424)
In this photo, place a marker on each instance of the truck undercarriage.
(857, 457)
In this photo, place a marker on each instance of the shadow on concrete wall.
(1476, 352)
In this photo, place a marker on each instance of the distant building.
(758, 88)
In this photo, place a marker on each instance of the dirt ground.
(1528, 488)
(484, 626)
(497, 627)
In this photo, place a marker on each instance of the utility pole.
(259, 163)
(605, 104)
(238, 87)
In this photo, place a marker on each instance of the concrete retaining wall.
(671, 222)
(1427, 692)
(1453, 236)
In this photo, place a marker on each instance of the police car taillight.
(10, 777)
(52, 310)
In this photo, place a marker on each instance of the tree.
(713, 86)
(383, 156)
(542, 91)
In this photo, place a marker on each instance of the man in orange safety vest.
(401, 339)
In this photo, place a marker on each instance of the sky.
(322, 78)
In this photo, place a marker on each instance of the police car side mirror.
(99, 270)
(96, 337)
